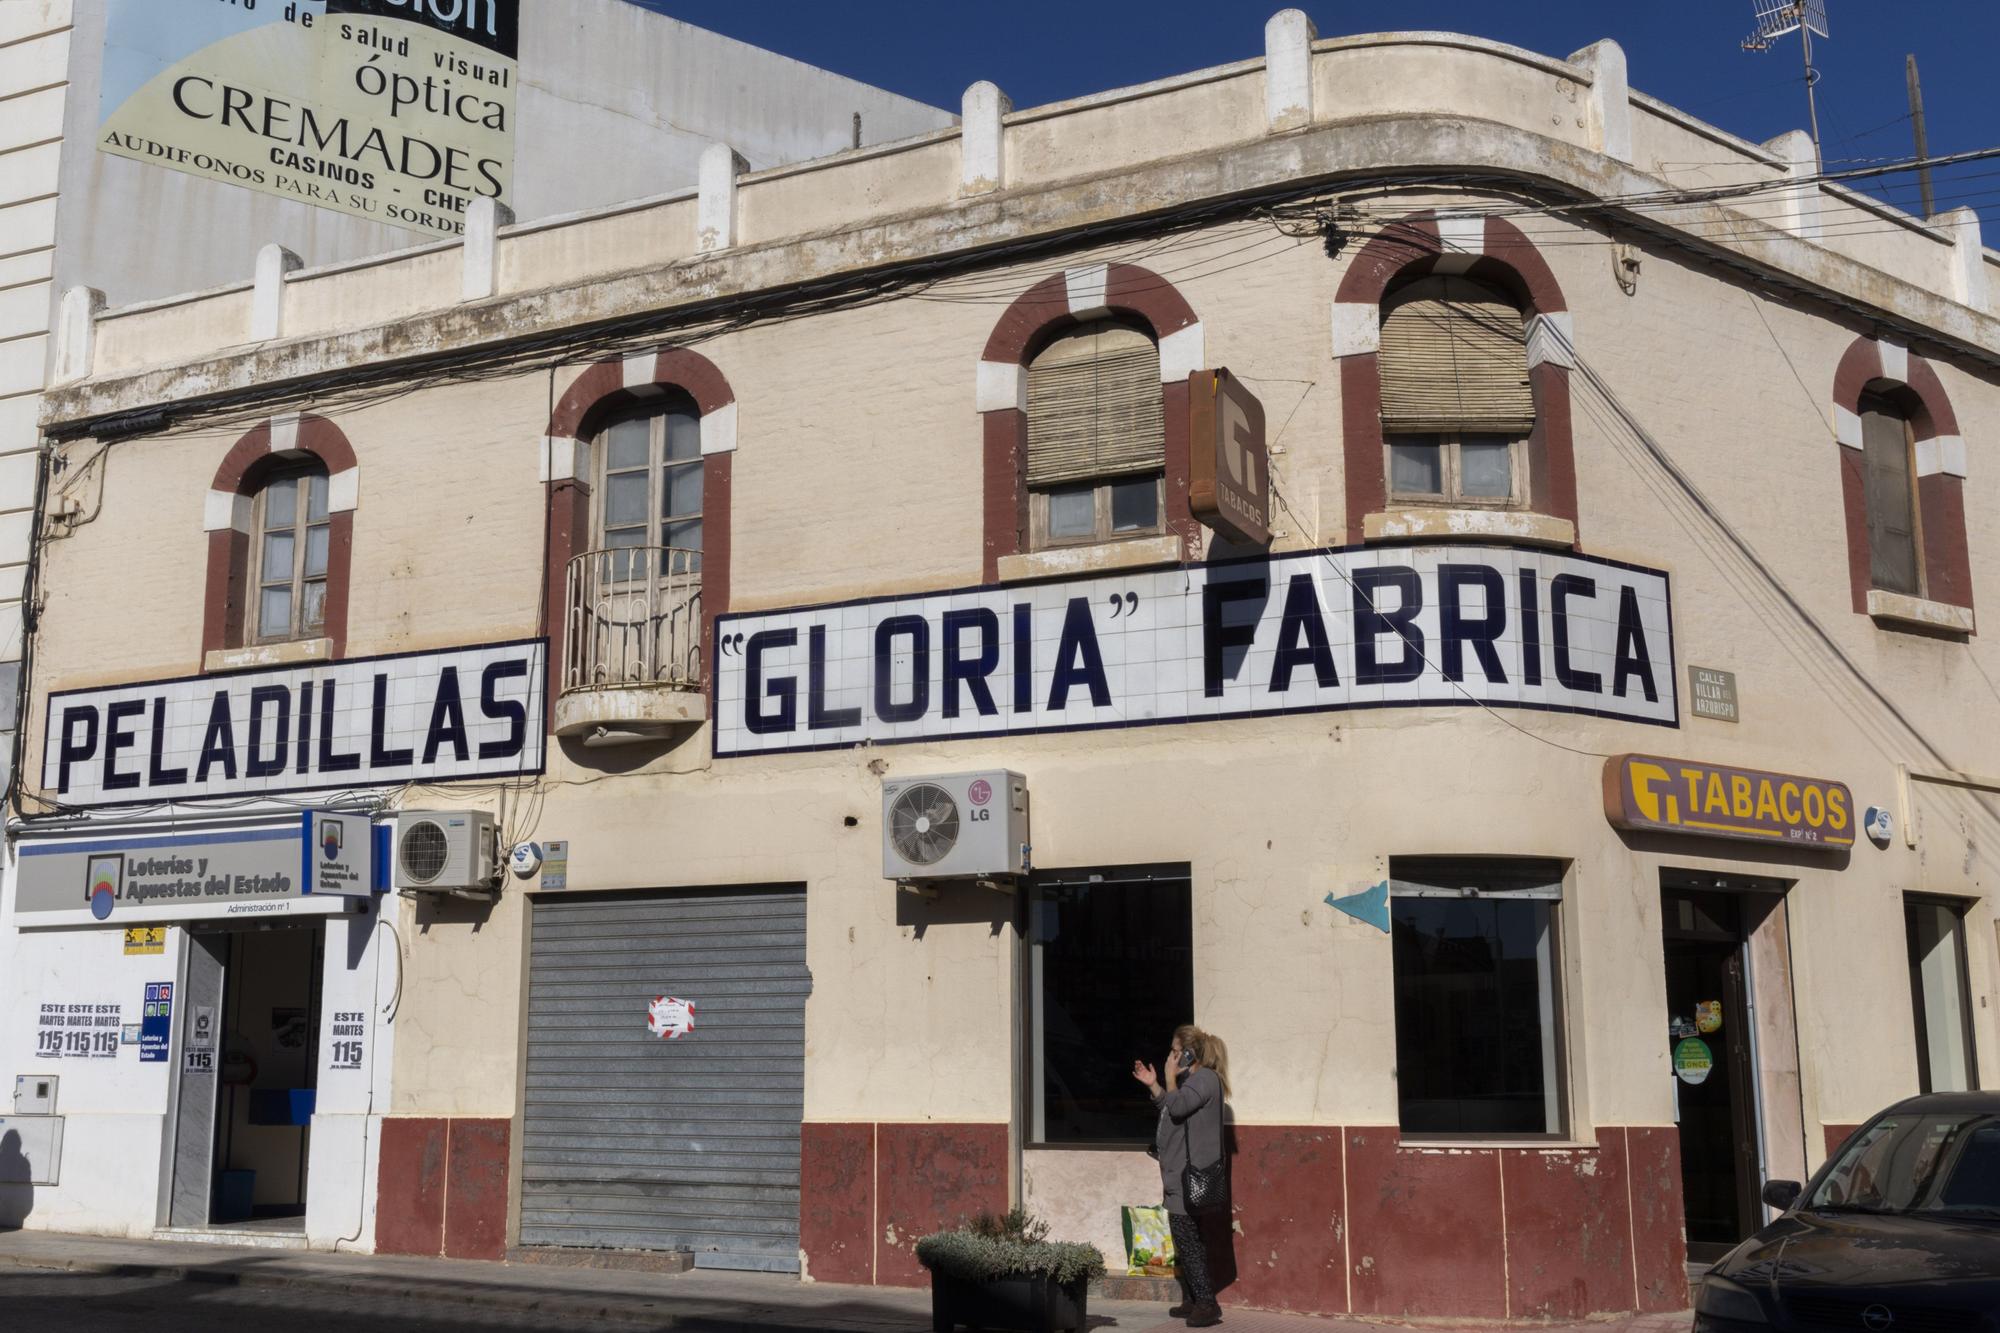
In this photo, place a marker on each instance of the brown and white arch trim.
(1486, 249)
(603, 390)
(226, 517)
(1877, 365)
(1050, 307)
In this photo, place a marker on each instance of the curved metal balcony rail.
(634, 618)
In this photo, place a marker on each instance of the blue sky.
(1688, 54)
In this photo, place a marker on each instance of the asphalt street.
(53, 1302)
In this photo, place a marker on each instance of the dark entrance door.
(1714, 1065)
(267, 1067)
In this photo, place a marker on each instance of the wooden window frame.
(303, 474)
(658, 467)
(1452, 497)
(1888, 406)
(1039, 538)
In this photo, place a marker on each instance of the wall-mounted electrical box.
(35, 1139)
(35, 1094)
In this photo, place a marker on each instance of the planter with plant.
(1005, 1273)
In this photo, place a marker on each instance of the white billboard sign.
(399, 111)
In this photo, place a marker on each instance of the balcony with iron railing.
(631, 662)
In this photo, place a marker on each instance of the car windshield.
(1917, 1162)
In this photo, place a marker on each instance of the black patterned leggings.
(1190, 1257)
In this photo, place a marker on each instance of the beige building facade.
(1346, 800)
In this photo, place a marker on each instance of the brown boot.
(1182, 1310)
(1205, 1314)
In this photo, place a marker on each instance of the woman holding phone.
(1190, 1135)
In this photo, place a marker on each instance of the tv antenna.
(1781, 18)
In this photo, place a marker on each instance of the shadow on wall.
(17, 1194)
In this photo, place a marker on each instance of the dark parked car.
(1898, 1233)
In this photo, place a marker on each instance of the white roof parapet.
(1801, 202)
(1610, 98)
(1288, 74)
(715, 205)
(76, 334)
(267, 301)
(982, 141)
(483, 220)
(1968, 259)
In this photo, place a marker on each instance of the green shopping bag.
(1149, 1241)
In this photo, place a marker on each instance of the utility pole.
(1923, 144)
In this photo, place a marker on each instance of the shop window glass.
(1478, 1014)
(1940, 995)
(1110, 975)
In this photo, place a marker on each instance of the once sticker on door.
(669, 1017)
(1693, 1061)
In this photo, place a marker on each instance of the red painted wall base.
(1327, 1220)
(441, 1187)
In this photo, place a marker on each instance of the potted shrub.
(1005, 1273)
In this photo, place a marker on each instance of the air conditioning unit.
(955, 826)
(445, 851)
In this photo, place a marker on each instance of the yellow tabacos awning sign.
(1648, 792)
(399, 111)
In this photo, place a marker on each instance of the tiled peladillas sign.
(1647, 792)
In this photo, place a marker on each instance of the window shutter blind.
(1095, 407)
(1889, 495)
(1454, 357)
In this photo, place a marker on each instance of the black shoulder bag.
(1205, 1190)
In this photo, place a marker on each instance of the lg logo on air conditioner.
(980, 793)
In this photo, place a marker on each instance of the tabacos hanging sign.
(398, 111)
(460, 713)
(1645, 792)
(1446, 626)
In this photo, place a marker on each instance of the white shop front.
(199, 971)
(197, 1026)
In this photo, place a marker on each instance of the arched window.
(638, 463)
(1457, 410)
(1902, 481)
(1082, 392)
(1889, 483)
(292, 540)
(280, 522)
(1096, 437)
(648, 484)
(1455, 348)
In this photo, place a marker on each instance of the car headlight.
(1723, 1299)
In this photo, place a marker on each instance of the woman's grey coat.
(1190, 1122)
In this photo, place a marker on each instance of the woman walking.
(1190, 1136)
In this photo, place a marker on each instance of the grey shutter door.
(633, 1141)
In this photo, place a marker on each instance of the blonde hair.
(1210, 1051)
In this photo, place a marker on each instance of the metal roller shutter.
(632, 1141)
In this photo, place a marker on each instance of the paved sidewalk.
(707, 1301)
